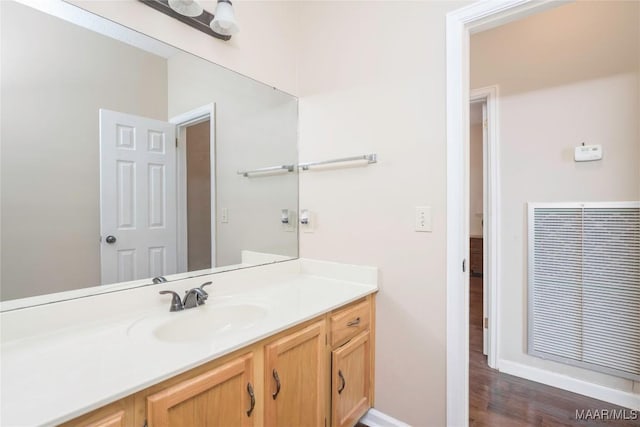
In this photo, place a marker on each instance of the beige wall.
(50, 143)
(264, 49)
(567, 76)
(256, 127)
(372, 79)
(475, 176)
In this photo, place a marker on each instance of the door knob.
(110, 239)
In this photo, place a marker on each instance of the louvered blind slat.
(584, 285)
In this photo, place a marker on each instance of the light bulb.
(186, 7)
(224, 20)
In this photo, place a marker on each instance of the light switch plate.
(225, 215)
(423, 218)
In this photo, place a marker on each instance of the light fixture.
(224, 20)
(190, 12)
(186, 7)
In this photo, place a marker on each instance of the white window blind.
(584, 285)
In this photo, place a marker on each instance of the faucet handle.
(205, 284)
(176, 302)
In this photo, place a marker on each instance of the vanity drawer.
(350, 321)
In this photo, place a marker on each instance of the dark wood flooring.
(497, 399)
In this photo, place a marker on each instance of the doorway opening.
(484, 215)
(528, 149)
(195, 147)
(460, 24)
(478, 316)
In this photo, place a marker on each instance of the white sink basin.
(199, 323)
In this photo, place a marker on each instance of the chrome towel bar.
(370, 158)
(288, 168)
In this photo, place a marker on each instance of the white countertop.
(61, 360)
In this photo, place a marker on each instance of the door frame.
(182, 122)
(491, 219)
(460, 24)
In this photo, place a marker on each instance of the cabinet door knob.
(252, 397)
(344, 383)
(277, 378)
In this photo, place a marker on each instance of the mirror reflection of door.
(137, 197)
(139, 172)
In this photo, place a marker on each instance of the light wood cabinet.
(316, 374)
(348, 322)
(223, 396)
(352, 361)
(116, 414)
(351, 381)
(294, 378)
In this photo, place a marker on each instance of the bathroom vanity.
(284, 344)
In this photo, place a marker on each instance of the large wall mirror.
(120, 158)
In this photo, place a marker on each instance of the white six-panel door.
(137, 197)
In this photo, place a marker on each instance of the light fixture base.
(200, 23)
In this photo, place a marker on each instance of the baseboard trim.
(585, 388)
(375, 418)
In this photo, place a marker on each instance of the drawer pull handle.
(277, 378)
(354, 322)
(344, 383)
(253, 399)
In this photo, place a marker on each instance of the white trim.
(461, 23)
(585, 388)
(491, 218)
(182, 121)
(194, 116)
(375, 418)
(457, 223)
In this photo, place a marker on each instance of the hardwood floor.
(497, 399)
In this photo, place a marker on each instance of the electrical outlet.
(307, 221)
(292, 223)
(423, 218)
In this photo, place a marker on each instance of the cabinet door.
(117, 414)
(221, 397)
(351, 381)
(295, 367)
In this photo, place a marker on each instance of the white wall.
(372, 79)
(566, 76)
(256, 127)
(264, 49)
(50, 143)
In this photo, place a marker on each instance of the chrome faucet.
(193, 298)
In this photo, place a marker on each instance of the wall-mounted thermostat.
(588, 153)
